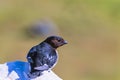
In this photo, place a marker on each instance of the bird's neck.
(53, 47)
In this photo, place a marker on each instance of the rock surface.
(18, 70)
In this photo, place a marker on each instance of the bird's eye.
(59, 40)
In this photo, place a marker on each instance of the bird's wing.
(46, 58)
(42, 56)
(38, 56)
(31, 54)
(44, 67)
(50, 59)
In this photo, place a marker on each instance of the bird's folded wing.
(44, 67)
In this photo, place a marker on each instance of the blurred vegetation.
(92, 28)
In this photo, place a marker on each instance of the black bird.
(44, 55)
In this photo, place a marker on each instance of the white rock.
(18, 70)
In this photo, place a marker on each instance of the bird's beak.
(65, 42)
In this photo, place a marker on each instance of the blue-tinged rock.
(19, 70)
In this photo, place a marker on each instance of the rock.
(18, 70)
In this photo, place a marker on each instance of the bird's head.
(55, 41)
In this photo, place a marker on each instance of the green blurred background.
(92, 28)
